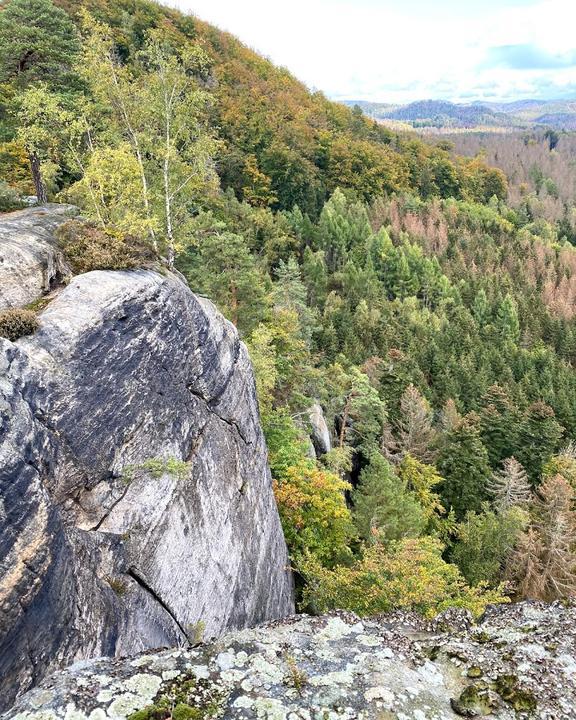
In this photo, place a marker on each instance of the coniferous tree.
(414, 427)
(507, 319)
(539, 438)
(463, 463)
(509, 486)
(223, 269)
(544, 564)
(383, 508)
(38, 45)
(499, 422)
(413, 433)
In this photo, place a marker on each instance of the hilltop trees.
(157, 132)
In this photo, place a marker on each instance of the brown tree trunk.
(41, 193)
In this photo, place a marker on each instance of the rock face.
(518, 662)
(30, 263)
(136, 508)
(319, 433)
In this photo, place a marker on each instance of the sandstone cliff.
(519, 662)
(136, 508)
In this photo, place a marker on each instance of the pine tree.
(450, 418)
(481, 308)
(509, 486)
(507, 319)
(341, 225)
(383, 508)
(289, 293)
(38, 45)
(525, 568)
(539, 438)
(224, 270)
(363, 414)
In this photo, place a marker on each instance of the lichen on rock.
(334, 667)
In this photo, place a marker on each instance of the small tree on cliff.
(38, 44)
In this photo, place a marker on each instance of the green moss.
(481, 637)
(521, 700)
(182, 711)
(295, 677)
(118, 585)
(16, 323)
(184, 698)
(38, 305)
(473, 701)
(474, 671)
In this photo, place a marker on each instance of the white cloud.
(375, 49)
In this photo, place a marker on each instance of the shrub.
(9, 198)
(16, 323)
(408, 575)
(88, 247)
(314, 514)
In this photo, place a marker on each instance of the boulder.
(518, 662)
(136, 507)
(30, 262)
(319, 432)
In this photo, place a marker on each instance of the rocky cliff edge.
(136, 508)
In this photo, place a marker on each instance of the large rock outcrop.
(519, 662)
(136, 508)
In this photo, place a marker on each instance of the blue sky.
(403, 50)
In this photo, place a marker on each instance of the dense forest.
(388, 279)
(540, 170)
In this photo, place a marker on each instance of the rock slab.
(136, 508)
(519, 662)
(30, 262)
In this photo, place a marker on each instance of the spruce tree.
(509, 486)
(539, 438)
(413, 433)
(499, 422)
(463, 463)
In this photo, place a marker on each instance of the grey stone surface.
(319, 432)
(395, 667)
(30, 263)
(135, 498)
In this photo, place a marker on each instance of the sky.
(398, 51)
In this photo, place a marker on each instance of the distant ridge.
(440, 114)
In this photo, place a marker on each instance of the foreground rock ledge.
(396, 667)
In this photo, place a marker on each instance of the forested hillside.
(540, 170)
(371, 272)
